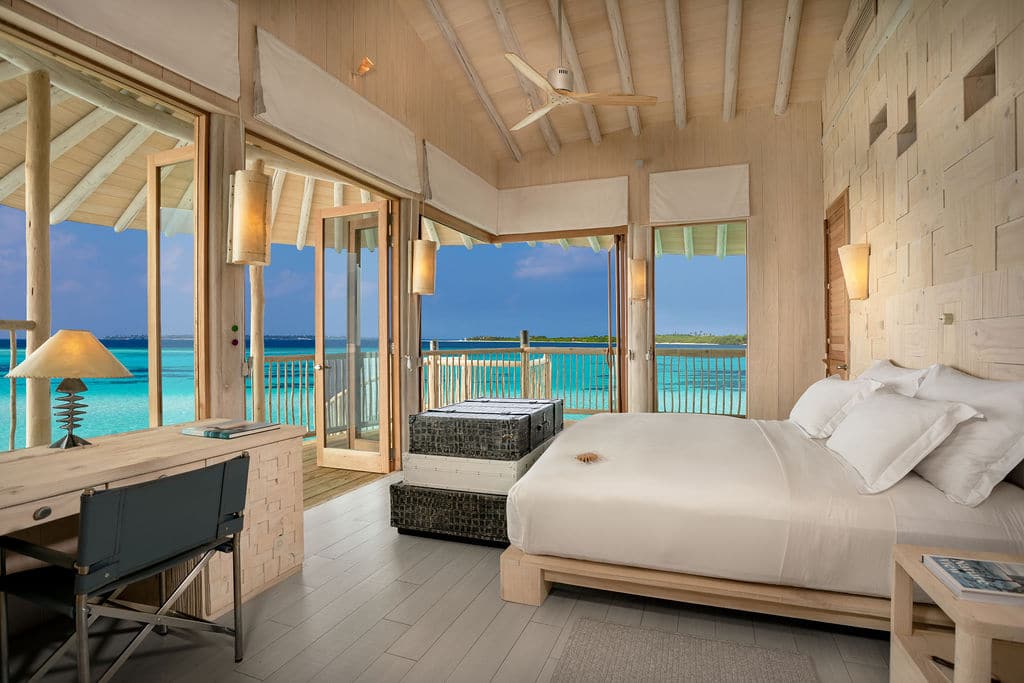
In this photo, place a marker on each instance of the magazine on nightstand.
(980, 580)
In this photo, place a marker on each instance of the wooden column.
(37, 250)
(257, 308)
(407, 319)
(639, 340)
(225, 298)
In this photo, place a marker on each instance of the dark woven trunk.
(461, 514)
(505, 429)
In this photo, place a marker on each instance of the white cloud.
(552, 262)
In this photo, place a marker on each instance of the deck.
(321, 484)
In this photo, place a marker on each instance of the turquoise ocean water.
(119, 405)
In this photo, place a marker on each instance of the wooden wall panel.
(405, 83)
(785, 297)
(945, 220)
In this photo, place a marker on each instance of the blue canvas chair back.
(144, 528)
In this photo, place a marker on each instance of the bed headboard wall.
(943, 214)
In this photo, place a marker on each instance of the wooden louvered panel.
(837, 302)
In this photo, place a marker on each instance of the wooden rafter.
(339, 225)
(622, 59)
(594, 243)
(659, 250)
(9, 71)
(448, 31)
(732, 58)
(564, 243)
(276, 187)
(579, 78)
(170, 226)
(15, 115)
(96, 176)
(675, 60)
(430, 230)
(78, 131)
(511, 44)
(688, 241)
(721, 240)
(94, 92)
(305, 211)
(787, 58)
(138, 202)
(531, 243)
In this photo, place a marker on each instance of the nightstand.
(987, 638)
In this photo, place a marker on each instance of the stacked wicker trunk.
(464, 458)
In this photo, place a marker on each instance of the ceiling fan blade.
(525, 69)
(617, 99)
(535, 116)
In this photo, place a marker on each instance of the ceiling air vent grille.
(868, 12)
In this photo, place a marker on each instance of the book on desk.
(231, 429)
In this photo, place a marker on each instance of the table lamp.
(70, 355)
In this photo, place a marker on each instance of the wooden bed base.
(527, 579)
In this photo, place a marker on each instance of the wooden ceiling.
(644, 27)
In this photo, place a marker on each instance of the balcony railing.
(689, 380)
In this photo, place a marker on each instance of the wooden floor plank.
(322, 484)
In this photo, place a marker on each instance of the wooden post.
(640, 379)
(37, 251)
(433, 379)
(14, 390)
(257, 306)
(524, 350)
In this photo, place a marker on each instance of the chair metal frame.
(88, 608)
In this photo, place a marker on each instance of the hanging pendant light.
(250, 234)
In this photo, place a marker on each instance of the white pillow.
(903, 380)
(979, 454)
(884, 436)
(826, 402)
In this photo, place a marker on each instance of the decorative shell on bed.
(588, 457)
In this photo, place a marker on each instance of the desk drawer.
(38, 512)
(158, 474)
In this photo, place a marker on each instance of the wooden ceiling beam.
(579, 78)
(721, 240)
(138, 202)
(675, 60)
(448, 32)
(787, 58)
(467, 241)
(564, 243)
(94, 92)
(511, 43)
(688, 241)
(622, 59)
(99, 173)
(594, 243)
(16, 114)
(305, 211)
(659, 250)
(276, 188)
(430, 230)
(78, 131)
(732, 58)
(9, 72)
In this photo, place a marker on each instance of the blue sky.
(99, 280)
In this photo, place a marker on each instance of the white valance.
(303, 100)
(458, 191)
(700, 194)
(579, 205)
(195, 38)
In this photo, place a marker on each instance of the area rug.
(599, 651)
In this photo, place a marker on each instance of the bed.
(717, 510)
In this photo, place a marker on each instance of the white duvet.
(751, 500)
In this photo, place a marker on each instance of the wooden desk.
(41, 484)
(987, 637)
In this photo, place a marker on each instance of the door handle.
(317, 366)
(842, 366)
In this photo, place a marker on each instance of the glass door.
(352, 338)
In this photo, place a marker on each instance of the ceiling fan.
(559, 83)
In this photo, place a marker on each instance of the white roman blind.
(301, 99)
(578, 205)
(458, 191)
(195, 38)
(700, 194)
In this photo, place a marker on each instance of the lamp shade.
(424, 266)
(70, 353)
(250, 234)
(637, 279)
(854, 260)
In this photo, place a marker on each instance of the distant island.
(673, 338)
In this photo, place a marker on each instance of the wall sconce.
(250, 234)
(424, 266)
(637, 279)
(365, 67)
(854, 259)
